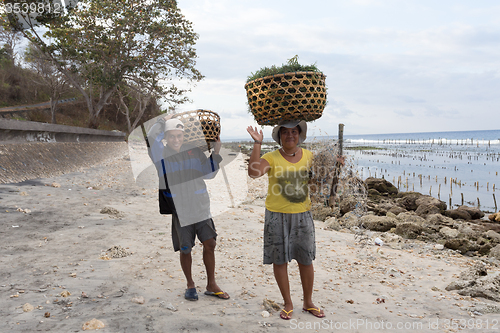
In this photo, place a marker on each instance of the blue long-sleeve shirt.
(181, 174)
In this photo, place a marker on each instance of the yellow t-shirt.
(288, 191)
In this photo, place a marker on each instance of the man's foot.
(219, 294)
(191, 294)
(214, 290)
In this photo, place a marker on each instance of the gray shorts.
(289, 236)
(183, 237)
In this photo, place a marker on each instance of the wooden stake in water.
(495, 201)
(335, 180)
(439, 192)
(462, 198)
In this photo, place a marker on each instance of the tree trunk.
(126, 113)
(96, 110)
(143, 104)
(53, 106)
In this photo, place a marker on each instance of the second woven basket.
(200, 127)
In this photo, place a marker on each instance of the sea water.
(455, 167)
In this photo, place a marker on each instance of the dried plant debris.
(112, 212)
(115, 251)
(270, 305)
(350, 190)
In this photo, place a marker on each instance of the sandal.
(219, 294)
(310, 310)
(287, 314)
(191, 294)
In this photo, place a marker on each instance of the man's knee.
(186, 250)
(209, 245)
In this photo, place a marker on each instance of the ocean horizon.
(481, 136)
(454, 166)
(459, 167)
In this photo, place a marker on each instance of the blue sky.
(391, 66)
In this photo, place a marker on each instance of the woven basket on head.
(200, 127)
(288, 96)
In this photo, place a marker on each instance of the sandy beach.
(59, 269)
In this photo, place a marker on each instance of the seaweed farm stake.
(335, 179)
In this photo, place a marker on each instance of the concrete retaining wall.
(30, 150)
(24, 161)
(15, 131)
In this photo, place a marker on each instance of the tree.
(48, 75)
(133, 101)
(8, 39)
(101, 44)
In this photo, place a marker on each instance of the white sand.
(57, 245)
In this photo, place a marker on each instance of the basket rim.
(197, 110)
(283, 74)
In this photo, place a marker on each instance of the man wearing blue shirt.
(182, 169)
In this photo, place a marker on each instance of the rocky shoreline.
(412, 215)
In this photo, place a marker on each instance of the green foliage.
(291, 66)
(5, 55)
(112, 40)
(101, 44)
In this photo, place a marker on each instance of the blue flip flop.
(191, 294)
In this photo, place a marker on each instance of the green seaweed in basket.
(291, 66)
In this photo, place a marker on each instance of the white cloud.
(386, 61)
